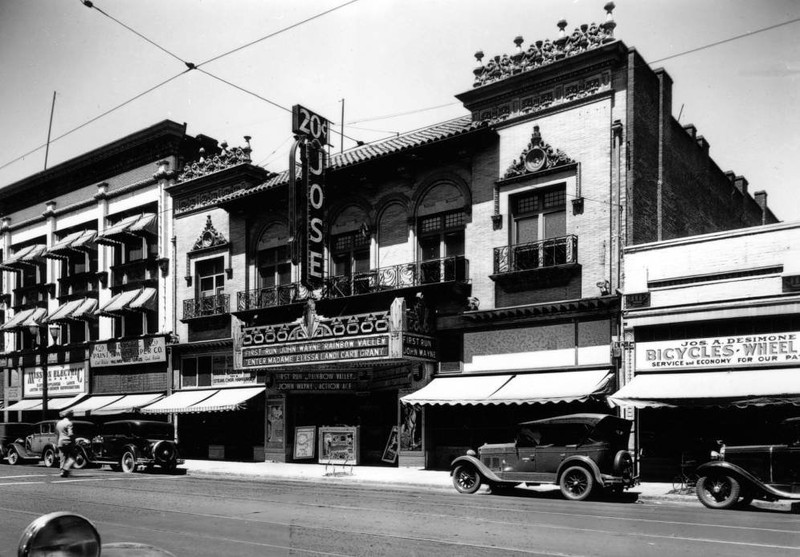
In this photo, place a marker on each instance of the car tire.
(576, 483)
(13, 456)
(49, 457)
(127, 462)
(79, 461)
(466, 479)
(718, 491)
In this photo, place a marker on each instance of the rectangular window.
(189, 372)
(350, 253)
(274, 267)
(210, 277)
(441, 235)
(539, 215)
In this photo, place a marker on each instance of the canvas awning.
(758, 387)
(25, 318)
(521, 388)
(205, 400)
(142, 299)
(74, 310)
(135, 225)
(76, 241)
(93, 403)
(28, 255)
(127, 404)
(52, 403)
(562, 386)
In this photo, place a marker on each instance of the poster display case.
(338, 445)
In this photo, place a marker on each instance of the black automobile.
(129, 444)
(739, 474)
(41, 443)
(582, 453)
(10, 433)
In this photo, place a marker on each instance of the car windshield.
(86, 430)
(613, 430)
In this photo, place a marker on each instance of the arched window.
(393, 236)
(273, 256)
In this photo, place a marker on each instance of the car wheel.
(718, 491)
(49, 457)
(127, 462)
(466, 479)
(79, 460)
(13, 456)
(576, 483)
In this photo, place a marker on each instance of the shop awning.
(25, 318)
(142, 299)
(76, 241)
(562, 386)
(94, 403)
(135, 225)
(52, 403)
(28, 255)
(758, 387)
(178, 402)
(226, 399)
(128, 404)
(206, 400)
(463, 389)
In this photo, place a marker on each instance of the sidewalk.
(379, 475)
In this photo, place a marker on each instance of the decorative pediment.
(536, 157)
(226, 158)
(209, 237)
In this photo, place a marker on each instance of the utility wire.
(96, 118)
(278, 32)
(737, 37)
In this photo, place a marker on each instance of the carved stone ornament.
(537, 156)
(225, 159)
(209, 238)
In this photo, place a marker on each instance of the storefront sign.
(418, 347)
(126, 352)
(69, 379)
(317, 381)
(14, 393)
(338, 445)
(767, 349)
(305, 440)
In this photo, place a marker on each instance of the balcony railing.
(79, 284)
(30, 296)
(536, 255)
(207, 306)
(405, 275)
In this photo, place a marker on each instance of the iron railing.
(405, 275)
(207, 306)
(536, 255)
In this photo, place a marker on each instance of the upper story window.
(273, 257)
(210, 277)
(350, 253)
(441, 235)
(538, 215)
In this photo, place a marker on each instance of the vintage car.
(10, 433)
(128, 444)
(581, 453)
(739, 474)
(41, 444)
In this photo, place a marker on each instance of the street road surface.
(196, 516)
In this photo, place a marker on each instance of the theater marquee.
(396, 334)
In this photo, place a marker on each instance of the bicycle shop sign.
(749, 350)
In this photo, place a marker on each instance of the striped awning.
(143, 299)
(204, 400)
(74, 310)
(136, 225)
(25, 318)
(77, 241)
(29, 255)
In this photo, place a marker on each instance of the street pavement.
(380, 475)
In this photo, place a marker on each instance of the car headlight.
(715, 455)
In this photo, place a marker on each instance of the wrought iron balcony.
(405, 275)
(536, 255)
(207, 306)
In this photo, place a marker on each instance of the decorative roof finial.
(479, 69)
(610, 23)
(247, 149)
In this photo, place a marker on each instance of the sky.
(393, 65)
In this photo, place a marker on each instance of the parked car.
(128, 444)
(42, 444)
(581, 453)
(740, 474)
(9, 434)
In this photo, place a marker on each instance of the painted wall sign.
(750, 350)
(126, 352)
(67, 379)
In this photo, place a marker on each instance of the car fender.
(582, 460)
(22, 450)
(479, 466)
(744, 477)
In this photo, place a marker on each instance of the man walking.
(66, 443)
